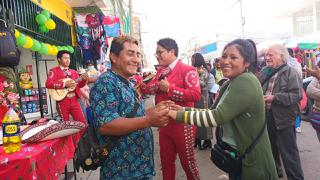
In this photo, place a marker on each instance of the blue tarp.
(208, 48)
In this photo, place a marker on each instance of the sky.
(195, 23)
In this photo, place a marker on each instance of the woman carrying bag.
(239, 112)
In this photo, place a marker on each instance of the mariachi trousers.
(178, 139)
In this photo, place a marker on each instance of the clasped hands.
(162, 113)
(164, 85)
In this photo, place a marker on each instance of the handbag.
(9, 54)
(226, 157)
(89, 154)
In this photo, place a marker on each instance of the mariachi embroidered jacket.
(56, 75)
(184, 85)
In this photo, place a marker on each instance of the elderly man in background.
(282, 92)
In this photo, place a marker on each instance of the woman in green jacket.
(240, 112)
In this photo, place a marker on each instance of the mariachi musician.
(62, 77)
(177, 82)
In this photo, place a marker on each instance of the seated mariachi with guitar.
(63, 86)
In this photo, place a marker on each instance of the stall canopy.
(306, 42)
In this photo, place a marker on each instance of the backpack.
(9, 54)
(89, 154)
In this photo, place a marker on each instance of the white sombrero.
(50, 130)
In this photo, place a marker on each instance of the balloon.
(59, 48)
(50, 49)
(42, 28)
(29, 43)
(55, 50)
(36, 45)
(41, 19)
(50, 24)
(46, 14)
(70, 49)
(63, 48)
(21, 40)
(43, 49)
(16, 33)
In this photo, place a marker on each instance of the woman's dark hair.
(248, 50)
(168, 44)
(199, 60)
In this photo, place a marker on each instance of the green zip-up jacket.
(243, 107)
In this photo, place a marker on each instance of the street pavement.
(308, 144)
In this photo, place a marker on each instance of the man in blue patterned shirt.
(112, 98)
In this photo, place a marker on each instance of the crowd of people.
(255, 104)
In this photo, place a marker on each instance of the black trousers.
(283, 142)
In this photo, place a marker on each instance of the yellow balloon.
(16, 33)
(50, 24)
(55, 50)
(50, 49)
(29, 42)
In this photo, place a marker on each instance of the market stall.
(37, 39)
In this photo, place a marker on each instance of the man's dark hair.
(61, 53)
(290, 52)
(168, 44)
(117, 44)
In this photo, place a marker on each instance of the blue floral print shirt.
(113, 97)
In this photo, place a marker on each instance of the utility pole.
(242, 19)
(130, 17)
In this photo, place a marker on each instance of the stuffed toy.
(25, 81)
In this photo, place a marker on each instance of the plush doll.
(25, 80)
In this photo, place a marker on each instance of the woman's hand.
(172, 114)
(314, 72)
(176, 107)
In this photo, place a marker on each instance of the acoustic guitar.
(59, 94)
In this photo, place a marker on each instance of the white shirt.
(173, 64)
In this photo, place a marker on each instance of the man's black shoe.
(280, 174)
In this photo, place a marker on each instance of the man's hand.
(164, 85)
(70, 84)
(85, 76)
(314, 72)
(158, 117)
(166, 104)
(268, 98)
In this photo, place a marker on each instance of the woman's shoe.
(207, 144)
(197, 143)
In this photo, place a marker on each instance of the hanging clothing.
(111, 25)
